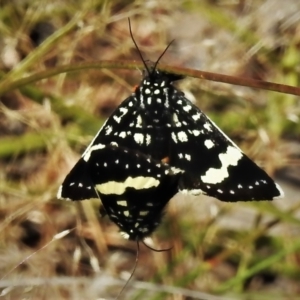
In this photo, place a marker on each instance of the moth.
(155, 144)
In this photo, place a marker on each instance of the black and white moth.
(154, 125)
(158, 120)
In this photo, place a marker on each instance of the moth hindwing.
(133, 188)
(158, 120)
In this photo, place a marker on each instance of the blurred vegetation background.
(219, 250)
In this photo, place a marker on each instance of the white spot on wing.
(182, 136)
(196, 132)
(230, 158)
(122, 203)
(123, 111)
(144, 213)
(196, 117)
(139, 122)
(176, 170)
(209, 144)
(87, 154)
(207, 126)
(123, 135)
(174, 137)
(187, 108)
(108, 130)
(118, 188)
(139, 138)
(187, 157)
(148, 139)
(175, 118)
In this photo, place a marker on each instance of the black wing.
(78, 184)
(133, 188)
(214, 165)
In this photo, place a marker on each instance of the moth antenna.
(137, 48)
(163, 53)
(156, 250)
(134, 268)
